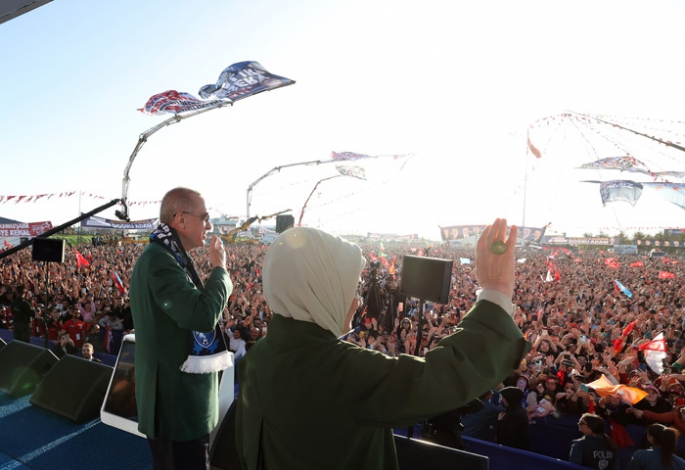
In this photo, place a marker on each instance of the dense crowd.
(567, 305)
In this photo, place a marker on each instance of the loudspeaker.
(224, 454)
(426, 278)
(74, 388)
(48, 249)
(284, 222)
(22, 366)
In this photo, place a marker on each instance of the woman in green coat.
(311, 401)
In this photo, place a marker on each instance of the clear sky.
(455, 83)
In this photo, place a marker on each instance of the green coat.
(315, 402)
(166, 306)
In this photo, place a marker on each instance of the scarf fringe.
(207, 364)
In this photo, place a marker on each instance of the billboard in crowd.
(459, 232)
(652, 242)
(389, 236)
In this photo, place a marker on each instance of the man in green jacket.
(175, 318)
(311, 401)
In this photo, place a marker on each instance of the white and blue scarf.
(207, 352)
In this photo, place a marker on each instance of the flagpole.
(525, 182)
(299, 222)
(312, 162)
(78, 238)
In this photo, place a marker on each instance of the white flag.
(655, 353)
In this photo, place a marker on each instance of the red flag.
(80, 260)
(637, 264)
(618, 345)
(532, 148)
(117, 282)
(655, 353)
(8, 244)
(107, 342)
(629, 328)
(666, 275)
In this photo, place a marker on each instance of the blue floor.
(35, 439)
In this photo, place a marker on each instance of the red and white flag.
(80, 260)
(655, 353)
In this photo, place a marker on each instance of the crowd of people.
(567, 306)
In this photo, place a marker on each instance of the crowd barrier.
(107, 359)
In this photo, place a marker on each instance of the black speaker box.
(74, 388)
(224, 453)
(22, 367)
(48, 249)
(284, 222)
(426, 278)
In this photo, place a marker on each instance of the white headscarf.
(310, 275)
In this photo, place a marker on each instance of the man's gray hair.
(176, 200)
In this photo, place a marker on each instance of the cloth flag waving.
(628, 395)
(532, 148)
(349, 170)
(175, 102)
(241, 80)
(80, 260)
(623, 289)
(620, 190)
(117, 282)
(655, 353)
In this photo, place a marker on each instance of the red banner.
(32, 229)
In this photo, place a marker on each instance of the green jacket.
(315, 402)
(166, 306)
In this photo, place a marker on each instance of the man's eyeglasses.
(204, 217)
(582, 423)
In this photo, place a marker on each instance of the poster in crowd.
(674, 232)
(460, 232)
(653, 242)
(25, 230)
(387, 236)
(101, 222)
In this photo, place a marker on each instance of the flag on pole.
(532, 148)
(80, 260)
(349, 170)
(175, 102)
(623, 289)
(117, 282)
(628, 395)
(7, 244)
(347, 156)
(655, 353)
(241, 80)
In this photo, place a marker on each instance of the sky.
(456, 85)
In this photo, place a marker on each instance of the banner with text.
(101, 222)
(31, 229)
